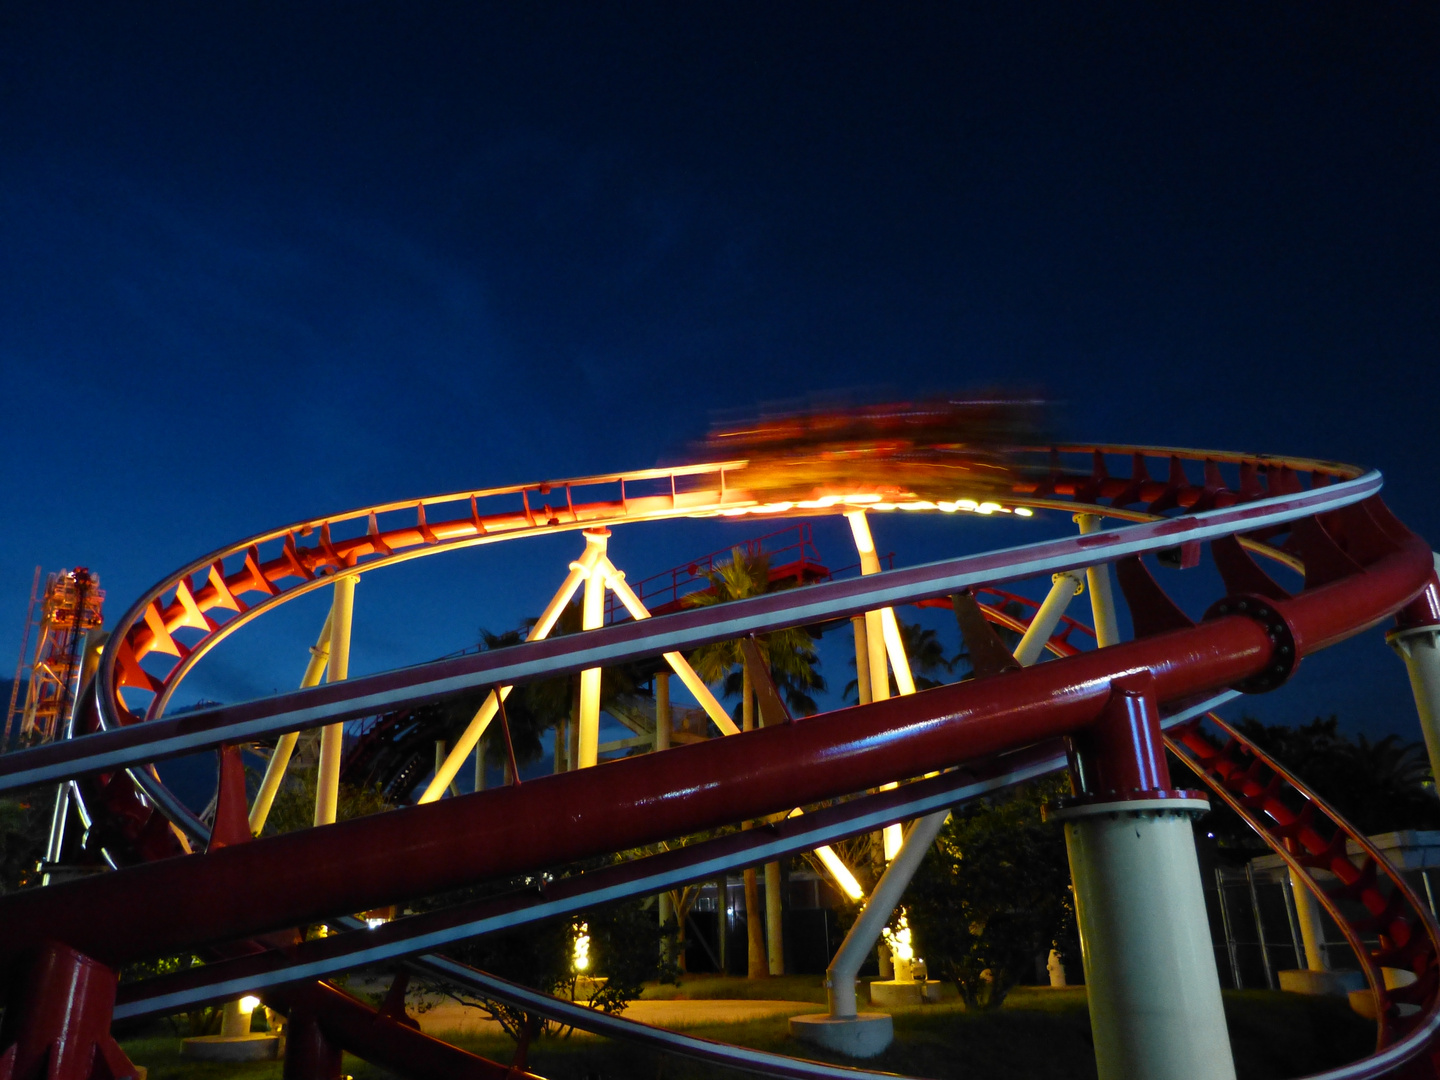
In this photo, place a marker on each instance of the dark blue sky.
(263, 261)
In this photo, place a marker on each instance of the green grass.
(1038, 1034)
(737, 988)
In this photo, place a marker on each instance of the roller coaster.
(1099, 706)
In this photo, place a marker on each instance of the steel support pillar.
(332, 736)
(57, 1021)
(1416, 638)
(309, 1052)
(285, 746)
(1154, 992)
(60, 812)
(1102, 597)
(592, 617)
(1064, 588)
(580, 571)
(1307, 914)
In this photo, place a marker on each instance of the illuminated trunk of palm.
(757, 967)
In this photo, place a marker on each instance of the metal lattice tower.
(70, 610)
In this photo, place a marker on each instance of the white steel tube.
(840, 976)
(280, 759)
(882, 642)
(862, 660)
(450, 768)
(1420, 649)
(332, 736)
(1065, 587)
(1102, 598)
(55, 845)
(1312, 932)
(615, 579)
(592, 617)
(895, 647)
(1155, 1006)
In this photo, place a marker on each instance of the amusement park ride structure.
(1106, 711)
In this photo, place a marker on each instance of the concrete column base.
(861, 1036)
(257, 1047)
(1363, 1001)
(1323, 983)
(891, 992)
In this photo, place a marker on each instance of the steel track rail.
(334, 702)
(642, 877)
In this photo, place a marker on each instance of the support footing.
(859, 1036)
(1324, 983)
(890, 992)
(256, 1047)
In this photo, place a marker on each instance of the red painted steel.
(335, 1019)
(375, 861)
(1361, 567)
(1123, 753)
(57, 1020)
(1311, 837)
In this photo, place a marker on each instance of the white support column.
(1419, 647)
(285, 747)
(1064, 588)
(615, 580)
(592, 617)
(1307, 913)
(862, 660)
(1102, 598)
(332, 736)
(844, 1028)
(1155, 1006)
(579, 572)
(882, 642)
(1153, 988)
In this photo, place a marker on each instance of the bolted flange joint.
(1283, 656)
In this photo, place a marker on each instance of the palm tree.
(925, 654)
(789, 654)
(790, 657)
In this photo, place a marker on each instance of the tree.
(927, 660)
(790, 657)
(24, 827)
(993, 894)
(621, 952)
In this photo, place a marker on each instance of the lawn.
(1039, 1033)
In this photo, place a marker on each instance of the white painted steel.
(1102, 598)
(1307, 914)
(1063, 588)
(840, 976)
(475, 730)
(1154, 992)
(1419, 647)
(816, 603)
(678, 664)
(1020, 767)
(332, 736)
(280, 757)
(592, 617)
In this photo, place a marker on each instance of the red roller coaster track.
(1360, 566)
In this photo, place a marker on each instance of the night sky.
(262, 262)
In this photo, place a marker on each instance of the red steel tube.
(303, 877)
(374, 1036)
